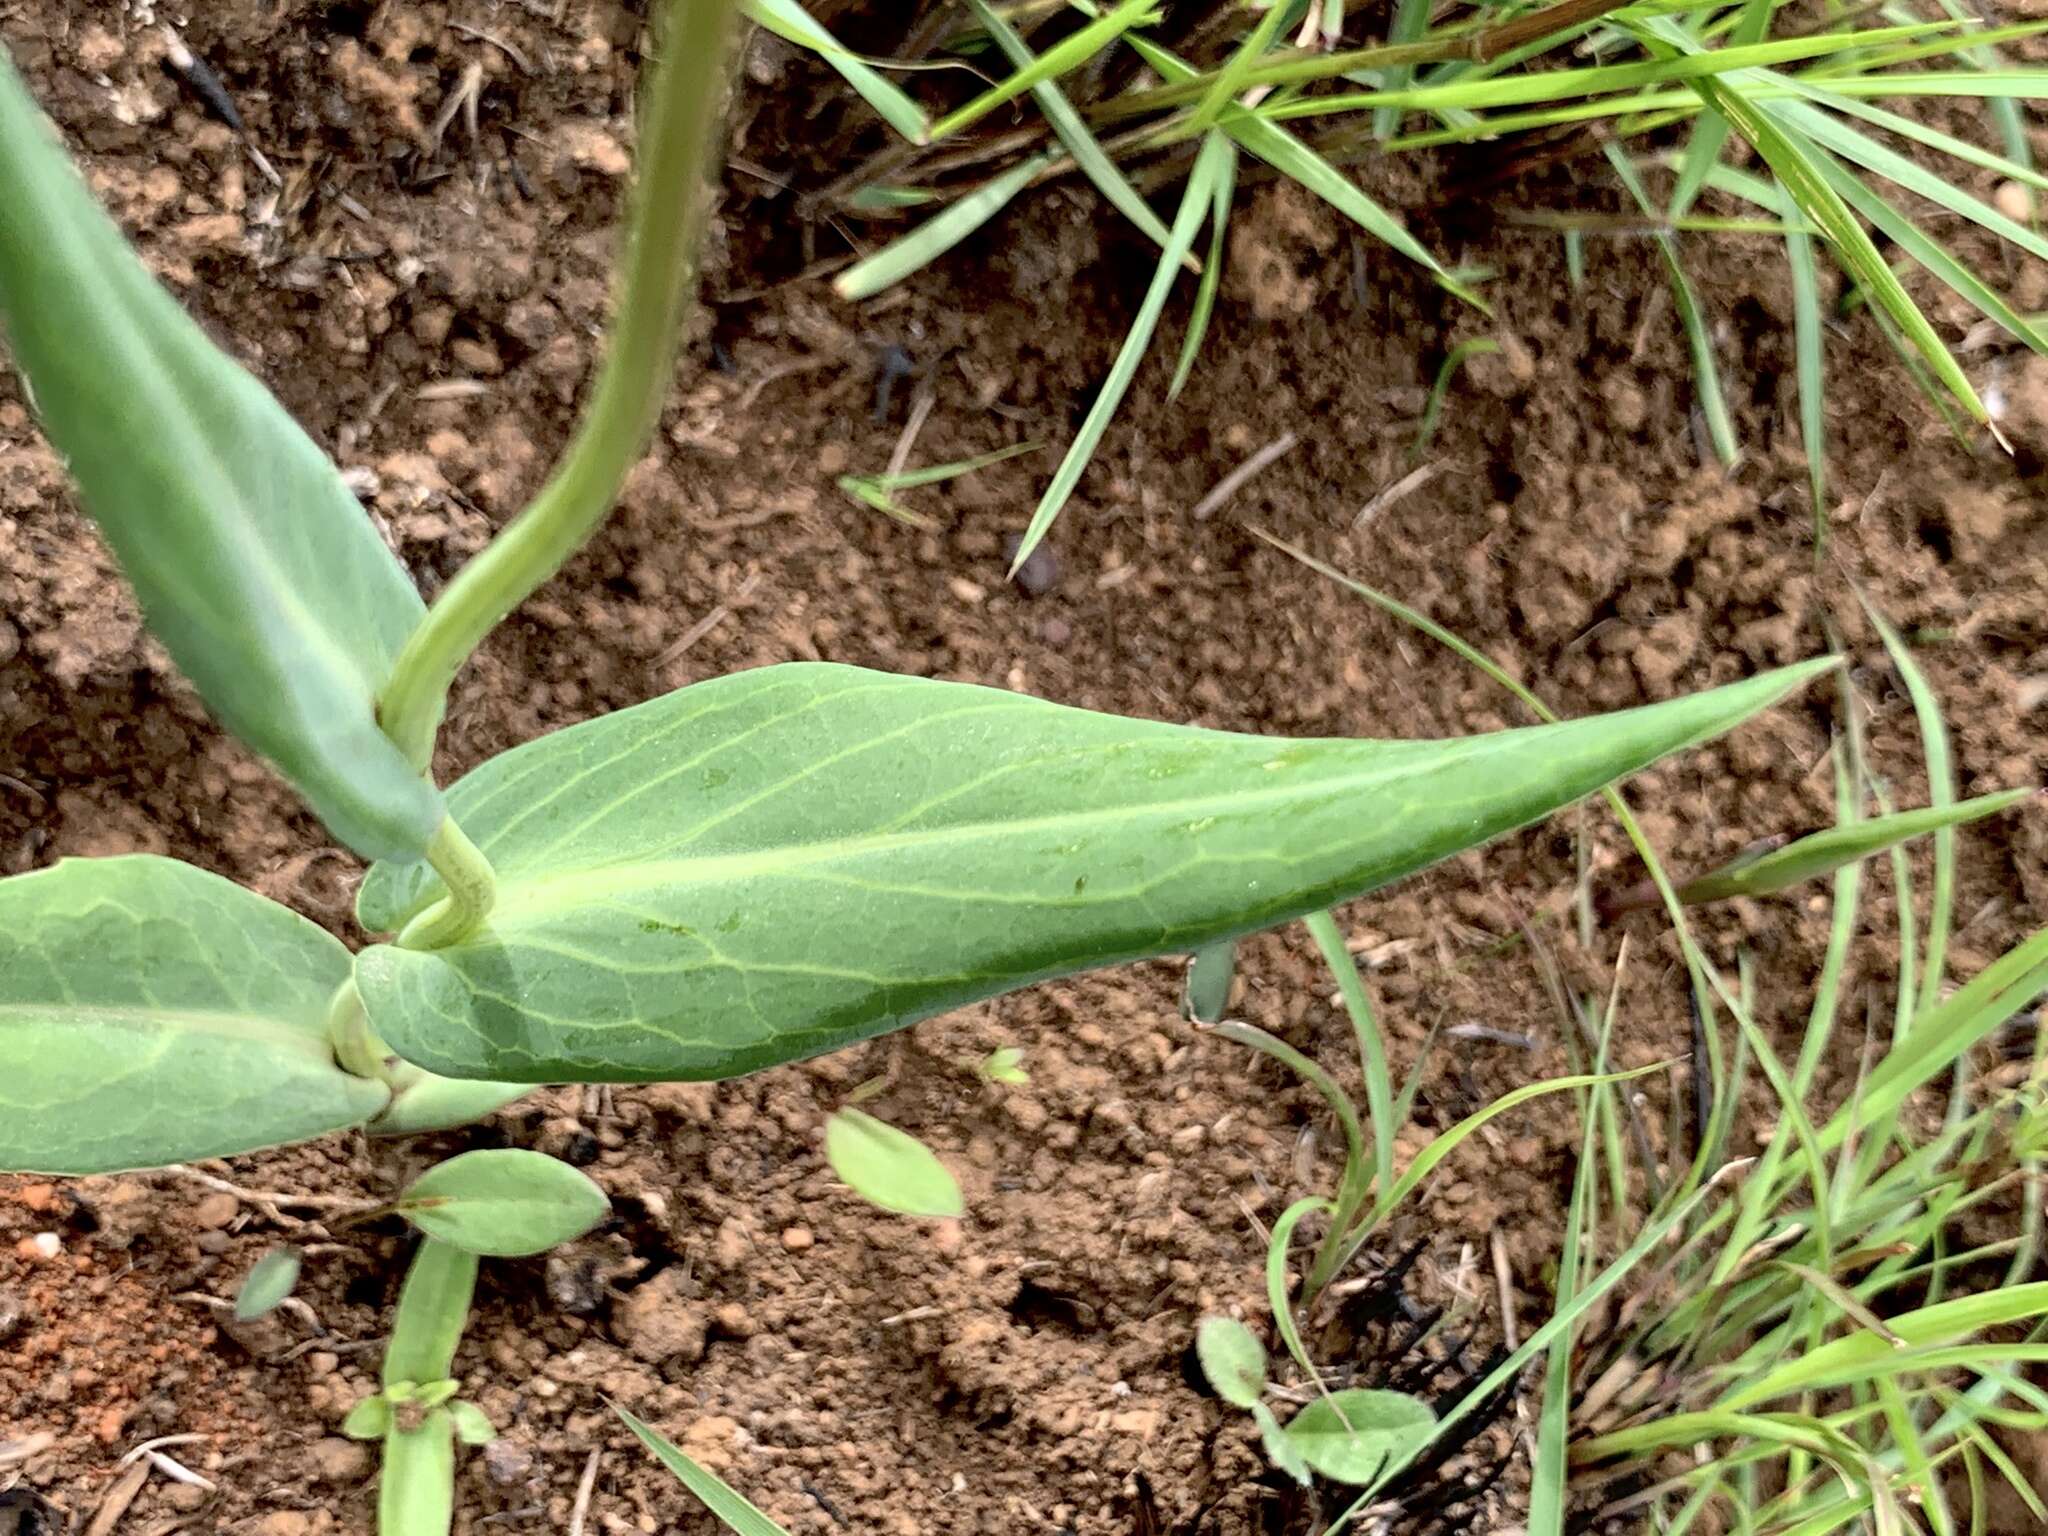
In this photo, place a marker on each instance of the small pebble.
(797, 1239)
(1039, 573)
(43, 1247)
(2014, 201)
(507, 1463)
(339, 1461)
(215, 1211)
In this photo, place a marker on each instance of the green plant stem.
(659, 262)
(472, 889)
(356, 1046)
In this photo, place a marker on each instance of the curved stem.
(356, 1046)
(472, 888)
(659, 268)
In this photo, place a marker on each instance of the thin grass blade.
(937, 235)
(789, 21)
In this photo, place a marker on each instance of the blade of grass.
(1231, 78)
(1068, 53)
(1710, 133)
(937, 235)
(1072, 132)
(1699, 341)
(1296, 161)
(1808, 359)
(731, 1509)
(1433, 407)
(789, 21)
(1372, 1054)
(1194, 203)
(1221, 195)
(1796, 164)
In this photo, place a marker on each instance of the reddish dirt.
(431, 323)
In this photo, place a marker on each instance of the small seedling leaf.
(1205, 999)
(270, 1280)
(1233, 1360)
(369, 1419)
(730, 1508)
(1005, 1064)
(973, 842)
(1280, 1450)
(472, 1425)
(888, 1167)
(1351, 1436)
(504, 1202)
(253, 562)
(153, 1013)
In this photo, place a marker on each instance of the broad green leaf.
(1353, 1435)
(254, 564)
(153, 1013)
(888, 1167)
(270, 1281)
(1232, 1359)
(732, 1511)
(780, 862)
(504, 1202)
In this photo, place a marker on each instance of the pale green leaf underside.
(153, 1013)
(889, 1168)
(253, 563)
(503, 1201)
(1354, 1435)
(780, 862)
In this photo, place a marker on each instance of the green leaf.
(1280, 1450)
(1205, 999)
(1824, 852)
(888, 1167)
(1232, 1359)
(938, 234)
(504, 1202)
(472, 1425)
(253, 563)
(424, 1103)
(270, 1280)
(789, 21)
(780, 862)
(1350, 1436)
(416, 1493)
(732, 1511)
(1005, 1064)
(433, 1309)
(152, 1013)
(368, 1420)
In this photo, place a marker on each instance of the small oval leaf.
(472, 1425)
(780, 862)
(1280, 1450)
(152, 1013)
(1232, 1358)
(369, 1419)
(888, 1167)
(254, 564)
(1354, 1435)
(503, 1202)
(270, 1280)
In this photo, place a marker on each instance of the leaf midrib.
(263, 1030)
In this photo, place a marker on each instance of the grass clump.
(1660, 100)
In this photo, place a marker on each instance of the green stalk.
(472, 889)
(659, 260)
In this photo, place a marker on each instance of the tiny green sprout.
(370, 1419)
(472, 1425)
(1004, 1064)
(889, 1168)
(270, 1281)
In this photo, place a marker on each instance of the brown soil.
(429, 315)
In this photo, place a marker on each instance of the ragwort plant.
(749, 871)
